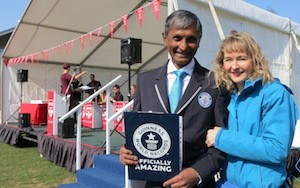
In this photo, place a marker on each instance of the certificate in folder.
(156, 139)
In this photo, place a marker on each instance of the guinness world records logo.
(151, 140)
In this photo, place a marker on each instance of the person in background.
(201, 105)
(102, 98)
(132, 91)
(67, 83)
(95, 85)
(77, 94)
(262, 116)
(117, 95)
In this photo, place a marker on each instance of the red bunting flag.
(112, 27)
(17, 60)
(140, 13)
(26, 59)
(82, 41)
(52, 51)
(14, 61)
(99, 32)
(125, 22)
(32, 58)
(45, 55)
(69, 46)
(9, 61)
(91, 38)
(156, 8)
(36, 57)
(22, 59)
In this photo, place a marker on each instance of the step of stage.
(109, 162)
(72, 185)
(98, 178)
(107, 172)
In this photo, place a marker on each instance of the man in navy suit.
(202, 105)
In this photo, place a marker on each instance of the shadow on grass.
(24, 143)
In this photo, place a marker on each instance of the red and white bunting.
(36, 57)
(156, 8)
(68, 46)
(59, 50)
(125, 22)
(26, 59)
(52, 51)
(32, 58)
(99, 32)
(112, 27)
(140, 14)
(82, 41)
(91, 38)
(45, 55)
(22, 59)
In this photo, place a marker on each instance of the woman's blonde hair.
(241, 42)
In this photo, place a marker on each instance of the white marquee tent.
(55, 24)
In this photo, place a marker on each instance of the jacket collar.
(196, 83)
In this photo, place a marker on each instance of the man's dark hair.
(182, 19)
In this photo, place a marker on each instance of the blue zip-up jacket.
(261, 126)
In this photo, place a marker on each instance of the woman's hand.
(211, 136)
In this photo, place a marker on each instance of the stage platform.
(62, 151)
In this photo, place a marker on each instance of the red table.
(38, 112)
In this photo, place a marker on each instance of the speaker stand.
(20, 102)
(129, 82)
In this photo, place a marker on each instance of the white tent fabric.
(50, 23)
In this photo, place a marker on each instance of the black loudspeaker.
(66, 129)
(24, 120)
(22, 75)
(131, 51)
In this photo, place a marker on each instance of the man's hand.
(187, 178)
(126, 157)
(211, 136)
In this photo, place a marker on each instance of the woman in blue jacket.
(262, 116)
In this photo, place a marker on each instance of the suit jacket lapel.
(162, 91)
(194, 86)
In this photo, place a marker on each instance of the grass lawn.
(23, 167)
(297, 183)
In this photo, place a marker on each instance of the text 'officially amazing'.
(154, 165)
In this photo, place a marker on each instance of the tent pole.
(296, 41)
(129, 81)
(172, 6)
(216, 19)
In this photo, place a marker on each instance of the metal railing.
(78, 110)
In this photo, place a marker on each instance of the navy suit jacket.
(202, 106)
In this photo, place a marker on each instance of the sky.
(12, 10)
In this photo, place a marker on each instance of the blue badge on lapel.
(204, 99)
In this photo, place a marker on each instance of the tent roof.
(51, 23)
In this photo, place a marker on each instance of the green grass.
(22, 167)
(297, 183)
